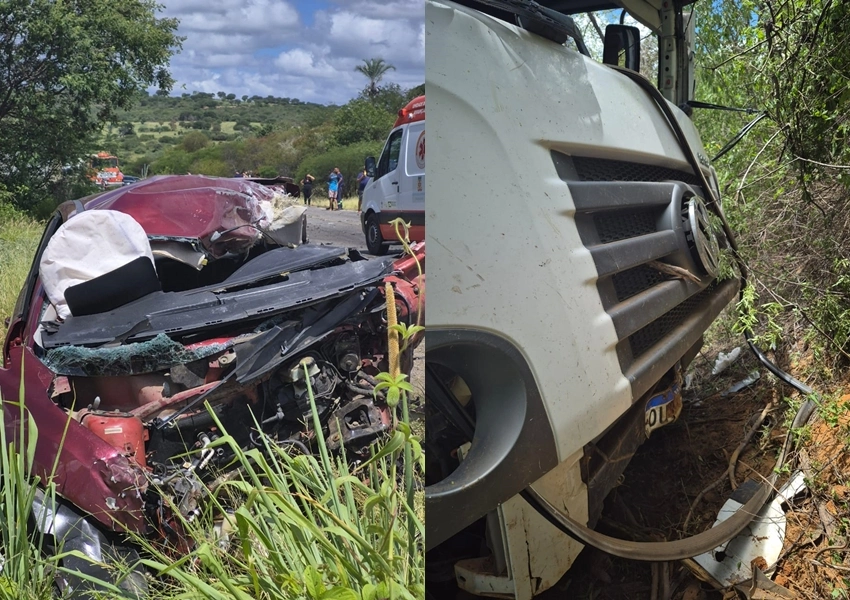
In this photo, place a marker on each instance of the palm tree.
(374, 69)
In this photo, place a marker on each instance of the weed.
(19, 235)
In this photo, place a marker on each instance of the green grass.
(19, 235)
(321, 201)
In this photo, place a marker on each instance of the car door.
(388, 174)
(412, 184)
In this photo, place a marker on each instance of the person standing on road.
(362, 180)
(340, 189)
(333, 187)
(307, 188)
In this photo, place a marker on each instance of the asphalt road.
(338, 228)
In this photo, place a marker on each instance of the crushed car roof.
(186, 206)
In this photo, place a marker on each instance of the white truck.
(396, 188)
(561, 192)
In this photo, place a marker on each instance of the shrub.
(194, 141)
(349, 159)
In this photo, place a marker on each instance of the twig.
(734, 56)
(653, 594)
(842, 546)
(677, 272)
(699, 497)
(836, 567)
(596, 26)
(738, 195)
(733, 460)
(826, 517)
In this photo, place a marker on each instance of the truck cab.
(105, 170)
(396, 188)
(568, 192)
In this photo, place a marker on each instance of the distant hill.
(219, 134)
(211, 108)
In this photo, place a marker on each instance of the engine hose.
(708, 540)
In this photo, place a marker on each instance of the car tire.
(374, 240)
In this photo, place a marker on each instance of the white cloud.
(262, 47)
(299, 61)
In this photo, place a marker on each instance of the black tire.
(374, 240)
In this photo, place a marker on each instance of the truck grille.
(624, 225)
(644, 339)
(600, 169)
(631, 282)
(629, 215)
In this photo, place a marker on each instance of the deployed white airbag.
(88, 245)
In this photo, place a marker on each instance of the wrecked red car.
(146, 302)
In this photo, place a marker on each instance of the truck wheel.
(374, 240)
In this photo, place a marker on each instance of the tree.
(374, 69)
(194, 141)
(65, 73)
(386, 97)
(360, 120)
(414, 92)
(125, 129)
(265, 130)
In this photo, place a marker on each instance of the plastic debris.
(724, 359)
(760, 541)
(744, 383)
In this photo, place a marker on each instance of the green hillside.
(218, 134)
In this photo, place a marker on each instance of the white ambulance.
(397, 181)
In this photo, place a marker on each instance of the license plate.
(663, 408)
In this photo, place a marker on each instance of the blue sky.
(295, 48)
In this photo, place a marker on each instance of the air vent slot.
(622, 225)
(634, 281)
(646, 338)
(597, 169)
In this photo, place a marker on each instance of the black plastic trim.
(618, 256)
(640, 310)
(514, 444)
(592, 196)
(649, 367)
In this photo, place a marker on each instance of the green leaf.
(394, 444)
(313, 583)
(339, 593)
(369, 592)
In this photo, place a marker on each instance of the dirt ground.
(666, 477)
(675, 468)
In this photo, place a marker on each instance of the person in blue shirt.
(333, 187)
